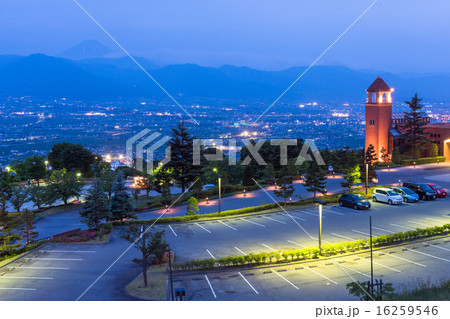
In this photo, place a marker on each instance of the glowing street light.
(244, 193)
(320, 227)
(414, 164)
(207, 200)
(220, 192)
(78, 175)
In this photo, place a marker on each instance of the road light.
(367, 176)
(78, 175)
(438, 161)
(389, 168)
(220, 191)
(8, 168)
(399, 182)
(207, 200)
(244, 193)
(414, 164)
(320, 227)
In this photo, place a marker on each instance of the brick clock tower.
(378, 116)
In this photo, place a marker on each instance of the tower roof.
(379, 86)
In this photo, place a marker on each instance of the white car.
(387, 195)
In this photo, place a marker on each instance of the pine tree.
(95, 208)
(434, 150)
(384, 155)
(269, 173)
(369, 158)
(181, 160)
(352, 177)
(286, 189)
(108, 177)
(5, 190)
(396, 157)
(9, 239)
(316, 180)
(248, 176)
(192, 207)
(414, 127)
(120, 206)
(28, 228)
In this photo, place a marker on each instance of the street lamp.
(207, 200)
(167, 208)
(367, 176)
(244, 193)
(320, 227)
(220, 191)
(399, 182)
(389, 168)
(414, 164)
(78, 175)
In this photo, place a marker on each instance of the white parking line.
(413, 222)
(382, 229)
(422, 253)
(25, 289)
(68, 251)
(376, 263)
(275, 220)
(446, 215)
(320, 275)
(21, 277)
(268, 247)
(249, 221)
(299, 218)
(173, 231)
(410, 261)
(49, 268)
(226, 225)
(210, 254)
(341, 265)
(409, 228)
(202, 227)
(330, 211)
(360, 232)
(240, 251)
(435, 220)
(285, 279)
(293, 242)
(435, 246)
(256, 292)
(345, 237)
(212, 290)
(58, 259)
(317, 239)
(312, 214)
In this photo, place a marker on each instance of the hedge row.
(312, 252)
(5, 255)
(424, 160)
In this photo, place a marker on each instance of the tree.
(5, 190)
(352, 177)
(72, 157)
(120, 206)
(269, 173)
(354, 289)
(192, 207)
(38, 195)
(95, 208)
(434, 150)
(414, 127)
(248, 176)
(396, 157)
(384, 155)
(63, 185)
(286, 189)
(8, 237)
(147, 183)
(198, 187)
(32, 168)
(181, 160)
(108, 177)
(316, 180)
(369, 158)
(166, 194)
(149, 244)
(19, 196)
(28, 228)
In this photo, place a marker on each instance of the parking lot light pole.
(171, 277)
(371, 255)
(367, 176)
(320, 227)
(220, 192)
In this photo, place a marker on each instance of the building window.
(371, 122)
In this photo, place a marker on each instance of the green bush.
(424, 160)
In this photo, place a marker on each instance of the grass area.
(420, 290)
(156, 289)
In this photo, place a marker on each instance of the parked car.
(387, 195)
(424, 191)
(208, 186)
(440, 191)
(408, 195)
(355, 201)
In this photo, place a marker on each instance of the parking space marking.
(422, 253)
(240, 251)
(413, 222)
(249, 221)
(409, 228)
(68, 251)
(299, 218)
(285, 279)
(330, 211)
(268, 247)
(49, 268)
(210, 287)
(173, 231)
(202, 227)
(435, 220)
(382, 229)
(435, 246)
(275, 220)
(445, 215)
(24, 289)
(345, 237)
(58, 259)
(401, 258)
(317, 239)
(226, 225)
(23, 277)
(320, 275)
(256, 292)
(360, 232)
(293, 242)
(376, 263)
(341, 265)
(308, 213)
(210, 254)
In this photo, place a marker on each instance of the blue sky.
(396, 35)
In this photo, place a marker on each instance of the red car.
(441, 192)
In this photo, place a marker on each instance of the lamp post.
(367, 176)
(320, 227)
(207, 200)
(414, 164)
(170, 270)
(244, 193)
(220, 191)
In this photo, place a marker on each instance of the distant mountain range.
(86, 50)
(106, 79)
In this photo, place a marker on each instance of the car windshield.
(426, 188)
(437, 187)
(408, 191)
(359, 197)
(392, 193)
